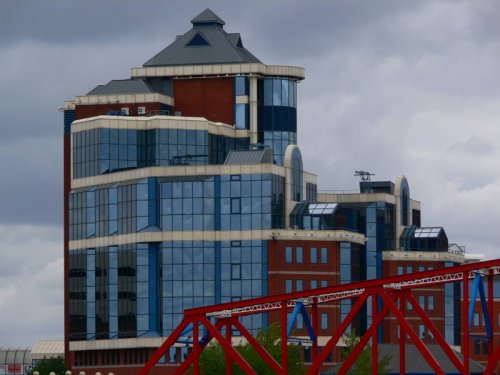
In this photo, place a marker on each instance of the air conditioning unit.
(141, 110)
(125, 111)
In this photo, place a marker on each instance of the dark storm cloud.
(369, 65)
(68, 22)
(312, 30)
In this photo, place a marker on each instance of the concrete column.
(253, 108)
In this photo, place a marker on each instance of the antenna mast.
(365, 176)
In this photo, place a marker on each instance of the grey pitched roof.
(207, 16)
(123, 86)
(236, 157)
(416, 364)
(222, 48)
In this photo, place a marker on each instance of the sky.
(392, 87)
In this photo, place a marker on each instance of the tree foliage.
(48, 365)
(212, 360)
(363, 364)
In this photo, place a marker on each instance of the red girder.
(339, 292)
(387, 290)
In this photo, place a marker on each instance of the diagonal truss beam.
(344, 291)
(387, 290)
(419, 344)
(452, 355)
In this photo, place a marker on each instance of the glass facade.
(297, 175)
(345, 278)
(241, 110)
(78, 295)
(277, 111)
(424, 239)
(227, 202)
(105, 150)
(311, 192)
(142, 289)
(405, 203)
(452, 310)
(317, 216)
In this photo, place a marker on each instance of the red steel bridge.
(388, 296)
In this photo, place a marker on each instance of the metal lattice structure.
(388, 296)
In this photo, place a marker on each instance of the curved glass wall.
(277, 111)
(405, 202)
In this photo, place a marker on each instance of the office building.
(185, 186)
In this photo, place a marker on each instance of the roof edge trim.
(220, 69)
(124, 99)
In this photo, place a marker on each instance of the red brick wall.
(390, 268)
(477, 347)
(212, 98)
(279, 271)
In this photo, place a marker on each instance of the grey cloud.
(31, 189)
(474, 146)
(65, 22)
(31, 292)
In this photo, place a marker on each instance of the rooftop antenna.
(365, 176)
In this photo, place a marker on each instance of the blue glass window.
(296, 176)
(324, 255)
(240, 85)
(241, 116)
(299, 285)
(91, 214)
(277, 92)
(421, 331)
(284, 93)
(430, 302)
(421, 301)
(324, 320)
(288, 286)
(268, 92)
(314, 255)
(288, 254)
(299, 254)
(236, 271)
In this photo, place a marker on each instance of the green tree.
(363, 364)
(212, 360)
(48, 365)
